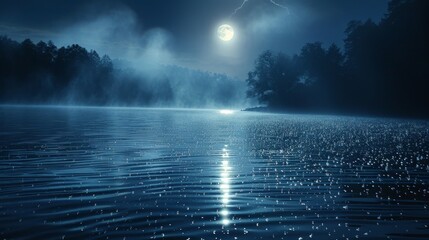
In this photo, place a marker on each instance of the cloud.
(118, 34)
(149, 62)
(147, 69)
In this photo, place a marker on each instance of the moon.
(225, 32)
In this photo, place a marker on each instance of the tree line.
(383, 69)
(42, 73)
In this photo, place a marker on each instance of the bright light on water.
(281, 176)
(226, 111)
(224, 212)
(225, 198)
(225, 222)
(225, 185)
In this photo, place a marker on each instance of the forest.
(42, 73)
(382, 70)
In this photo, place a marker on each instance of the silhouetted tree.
(322, 72)
(273, 80)
(384, 68)
(40, 73)
(303, 82)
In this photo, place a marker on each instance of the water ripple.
(94, 173)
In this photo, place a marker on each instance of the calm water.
(100, 173)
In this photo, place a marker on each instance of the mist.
(145, 70)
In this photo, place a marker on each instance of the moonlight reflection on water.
(225, 186)
(118, 173)
(226, 111)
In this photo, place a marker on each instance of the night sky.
(184, 32)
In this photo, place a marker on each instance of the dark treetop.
(382, 70)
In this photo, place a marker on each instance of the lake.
(132, 173)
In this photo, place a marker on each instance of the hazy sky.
(183, 32)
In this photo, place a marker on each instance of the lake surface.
(112, 173)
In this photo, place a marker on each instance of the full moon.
(225, 32)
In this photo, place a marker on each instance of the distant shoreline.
(257, 109)
(331, 113)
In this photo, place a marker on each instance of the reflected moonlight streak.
(225, 186)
